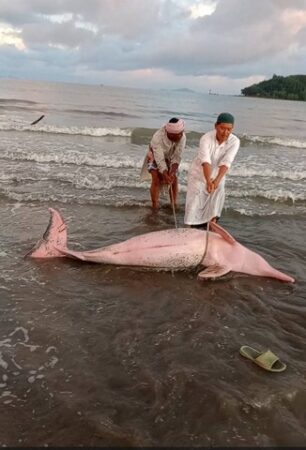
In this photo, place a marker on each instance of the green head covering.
(225, 118)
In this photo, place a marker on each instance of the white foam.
(84, 131)
(6, 394)
(284, 142)
(49, 349)
(277, 195)
(260, 171)
(52, 362)
(5, 343)
(3, 363)
(16, 365)
(40, 376)
(23, 330)
(16, 206)
(251, 212)
(31, 347)
(68, 157)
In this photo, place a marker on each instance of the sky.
(217, 45)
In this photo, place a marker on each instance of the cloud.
(10, 36)
(45, 34)
(174, 41)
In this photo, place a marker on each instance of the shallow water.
(101, 355)
(98, 355)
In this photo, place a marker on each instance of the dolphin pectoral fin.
(213, 272)
(222, 232)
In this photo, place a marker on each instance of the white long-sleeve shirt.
(201, 206)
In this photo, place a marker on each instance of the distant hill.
(292, 87)
(184, 90)
(179, 90)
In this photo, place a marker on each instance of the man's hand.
(173, 171)
(216, 183)
(221, 173)
(210, 186)
(166, 177)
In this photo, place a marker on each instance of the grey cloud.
(129, 19)
(45, 33)
(241, 38)
(226, 40)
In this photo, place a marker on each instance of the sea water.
(107, 356)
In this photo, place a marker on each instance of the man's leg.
(155, 188)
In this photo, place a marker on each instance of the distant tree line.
(292, 87)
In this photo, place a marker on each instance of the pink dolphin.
(182, 248)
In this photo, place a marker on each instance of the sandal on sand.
(267, 360)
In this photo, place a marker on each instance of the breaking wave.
(141, 136)
(83, 131)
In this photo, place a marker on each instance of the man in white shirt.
(163, 159)
(206, 176)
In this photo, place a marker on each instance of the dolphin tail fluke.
(54, 238)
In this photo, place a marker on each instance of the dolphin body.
(172, 249)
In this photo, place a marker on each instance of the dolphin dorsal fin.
(222, 232)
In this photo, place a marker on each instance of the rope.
(205, 249)
(206, 246)
(173, 206)
(207, 228)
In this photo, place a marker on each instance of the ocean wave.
(235, 212)
(16, 100)
(85, 131)
(72, 157)
(79, 181)
(14, 108)
(93, 199)
(273, 140)
(113, 202)
(77, 158)
(294, 175)
(260, 171)
(94, 182)
(93, 112)
(142, 135)
(274, 195)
